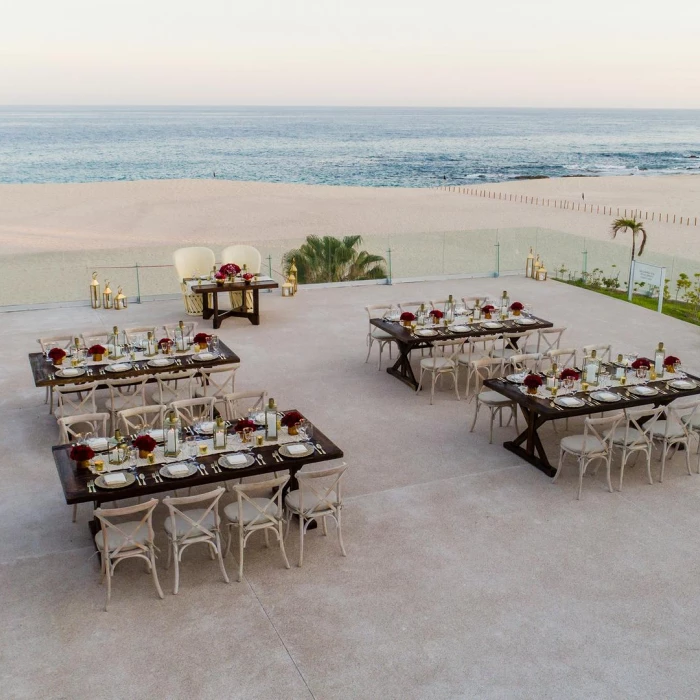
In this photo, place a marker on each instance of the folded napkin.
(569, 401)
(607, 396)
(118, 478)
(206, 356)
(98, 443)
(70, 372)
(296, 449)
(161, 361)
(459, 329)
(232, 460)
(119, 367)
(178, 469)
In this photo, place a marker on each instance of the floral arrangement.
(81, 453)
(145, 443)
(97, 350)
(219, 275)
(532, 381)
(641, 362)
(244, 424)
(289, 420)
(516, 306)
(201, 339)
(407, 316)
(248, 276)
(488, 308)
(436, 314)
(229, 269)
(57, 354)
(671, 360)
(569, 373)
(164, 341)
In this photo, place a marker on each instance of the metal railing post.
(138, 285)
(388, 254)
(269, 267)
(497, 246)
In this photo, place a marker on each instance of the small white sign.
(651, 276)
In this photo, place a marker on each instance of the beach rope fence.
(571, 205)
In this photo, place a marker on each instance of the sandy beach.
(96, 216)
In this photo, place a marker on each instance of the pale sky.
(542, 53)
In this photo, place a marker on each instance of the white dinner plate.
(161, 362)
(70, 372)
(682, 384)
(426, 333)
(205, 428)
(525, 321)
(100, 482)
(204, 357)
(643, 390)
(249, 461)
(165, 471)
(284, 451)
(492, 324)
(569, 402)
(119, 367)
(517, 378)
(460, 329)
(605, 396)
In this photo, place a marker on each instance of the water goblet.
(568, 384)
(213, 343)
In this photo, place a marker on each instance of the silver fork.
(91, 486)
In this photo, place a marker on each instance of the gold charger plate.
(284, 451)
(100, 481)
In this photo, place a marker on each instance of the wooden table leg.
(534, 451)
(402, 367)
(206, 311)
(217, 320)
(254, 318)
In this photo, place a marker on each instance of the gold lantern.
(120, 301)
(107, 301)
(541, 273)
(287, 288)
(293, 276)
(529, 264)
(536, 267)
(95, 299)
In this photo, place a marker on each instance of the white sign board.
(651, 276)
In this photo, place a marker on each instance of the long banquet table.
(74, 480)
(44, 371)
(408, 341)
(538, 411)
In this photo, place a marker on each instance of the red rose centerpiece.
(641, 363)
(569, 373)
(291, 421)
(82, 454)
(229, 269)
(97, 351)
(407, 318)
(248, 277)
(488, 310)
(220, 278)
(201, 340)
(516, 307)
(533, 382)
(57, 355)
(244, 428)
(164, 344)
(436, 314)
(145, 444)
(670, 363)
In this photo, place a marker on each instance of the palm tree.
(329, 259)
(636, 227)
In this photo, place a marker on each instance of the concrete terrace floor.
(468, 573)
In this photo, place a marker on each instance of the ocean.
(379, 147)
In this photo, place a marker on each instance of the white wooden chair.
(125, 393)
(495, 402)
(674, 429)
(189, 261)
(635, 436)
(75, 399)
(474, 349)
(200, 524)
(471, 300)
(440, 366)
(191, 411)
(217, 381)
(512, 344)
(318, 497)
(528, 361)
(175, 386)
(131, 333)
(242, 255)
(120, 539)
(374, 334)
(549, 339)
(250, 514)
(412, 306)
(71, 428)
(189, 327)
(603, 352)
(237, 404)
(594, 444)
(141, 418)
(562, 357)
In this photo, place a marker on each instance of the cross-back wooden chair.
(562, 357)
(174, 386)
(603, 352)
(317, 498)
(191, 411)
(549, 339)
(120, 539)
(495, 402)
(238, 404)
(124, 394)
(443, 365)
(140, 418)
(200, 524)
(75, 399)
(218, 381)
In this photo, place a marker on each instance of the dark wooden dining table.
(74, 480)
(44, 371)
(252, 313)
(539, 411)
(407, 341)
